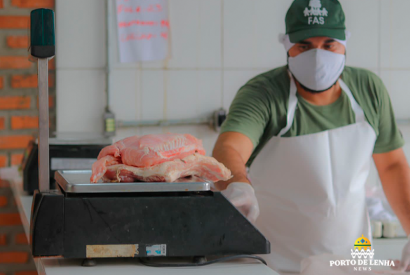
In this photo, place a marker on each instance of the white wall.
(217, 45)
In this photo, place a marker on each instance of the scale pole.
(42, 46)
(43, 129)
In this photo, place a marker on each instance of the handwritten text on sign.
(143, 30)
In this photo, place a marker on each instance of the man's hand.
(242, 196)
(233, 150)
(394, 174)
(404, 264)
(405, 257)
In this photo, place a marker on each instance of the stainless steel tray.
(78, 181)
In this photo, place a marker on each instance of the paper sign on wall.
(143, 30)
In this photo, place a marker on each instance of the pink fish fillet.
(100, 166)
(204, 167)
(145, 151)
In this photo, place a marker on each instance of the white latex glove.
(242, 196)
(405, 256)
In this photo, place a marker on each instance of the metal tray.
(78, 181)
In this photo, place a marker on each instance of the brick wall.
(18, 122)
(18, 80)
(15, 255)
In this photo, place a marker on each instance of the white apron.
(311, 189)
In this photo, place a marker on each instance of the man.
(308, 132)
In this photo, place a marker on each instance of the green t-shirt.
(259, 110)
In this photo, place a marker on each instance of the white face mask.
(316, 69)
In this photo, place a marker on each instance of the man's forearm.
(396, 185)
(233, 161)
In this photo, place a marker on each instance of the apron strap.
(293, 100)
(358, 111)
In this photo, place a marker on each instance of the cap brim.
(301, 35)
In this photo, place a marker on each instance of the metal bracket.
(215, 121)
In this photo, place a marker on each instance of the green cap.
(310, 18)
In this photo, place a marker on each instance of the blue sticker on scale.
(156, 250)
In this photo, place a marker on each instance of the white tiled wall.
(217, 45)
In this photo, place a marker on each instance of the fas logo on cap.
(316, 14)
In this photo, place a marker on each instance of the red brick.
(1, 80)
(21, 238)
(4, 184)
(50, 102)
(51, 78)
(16, 159)
(24, 122)
(10, 219)
(33, 3)
(2, 123)
(14, 22)
(29, 81)
(24, 81)
(13, 257)
(52, 64)
(26, 273)
(14, 62)
(3, 239)
(14, 102)
(3, 201)
(3, 161)
(15, 142)
(18, 41)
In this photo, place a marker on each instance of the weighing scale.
(66, 151)
(142, 219)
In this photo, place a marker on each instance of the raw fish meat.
(164, 157)
(148, 150)
(204, 167)
(145, 151)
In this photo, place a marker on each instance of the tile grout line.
(222, 55)
(198, 52)
(379, 40)
(140, 93)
